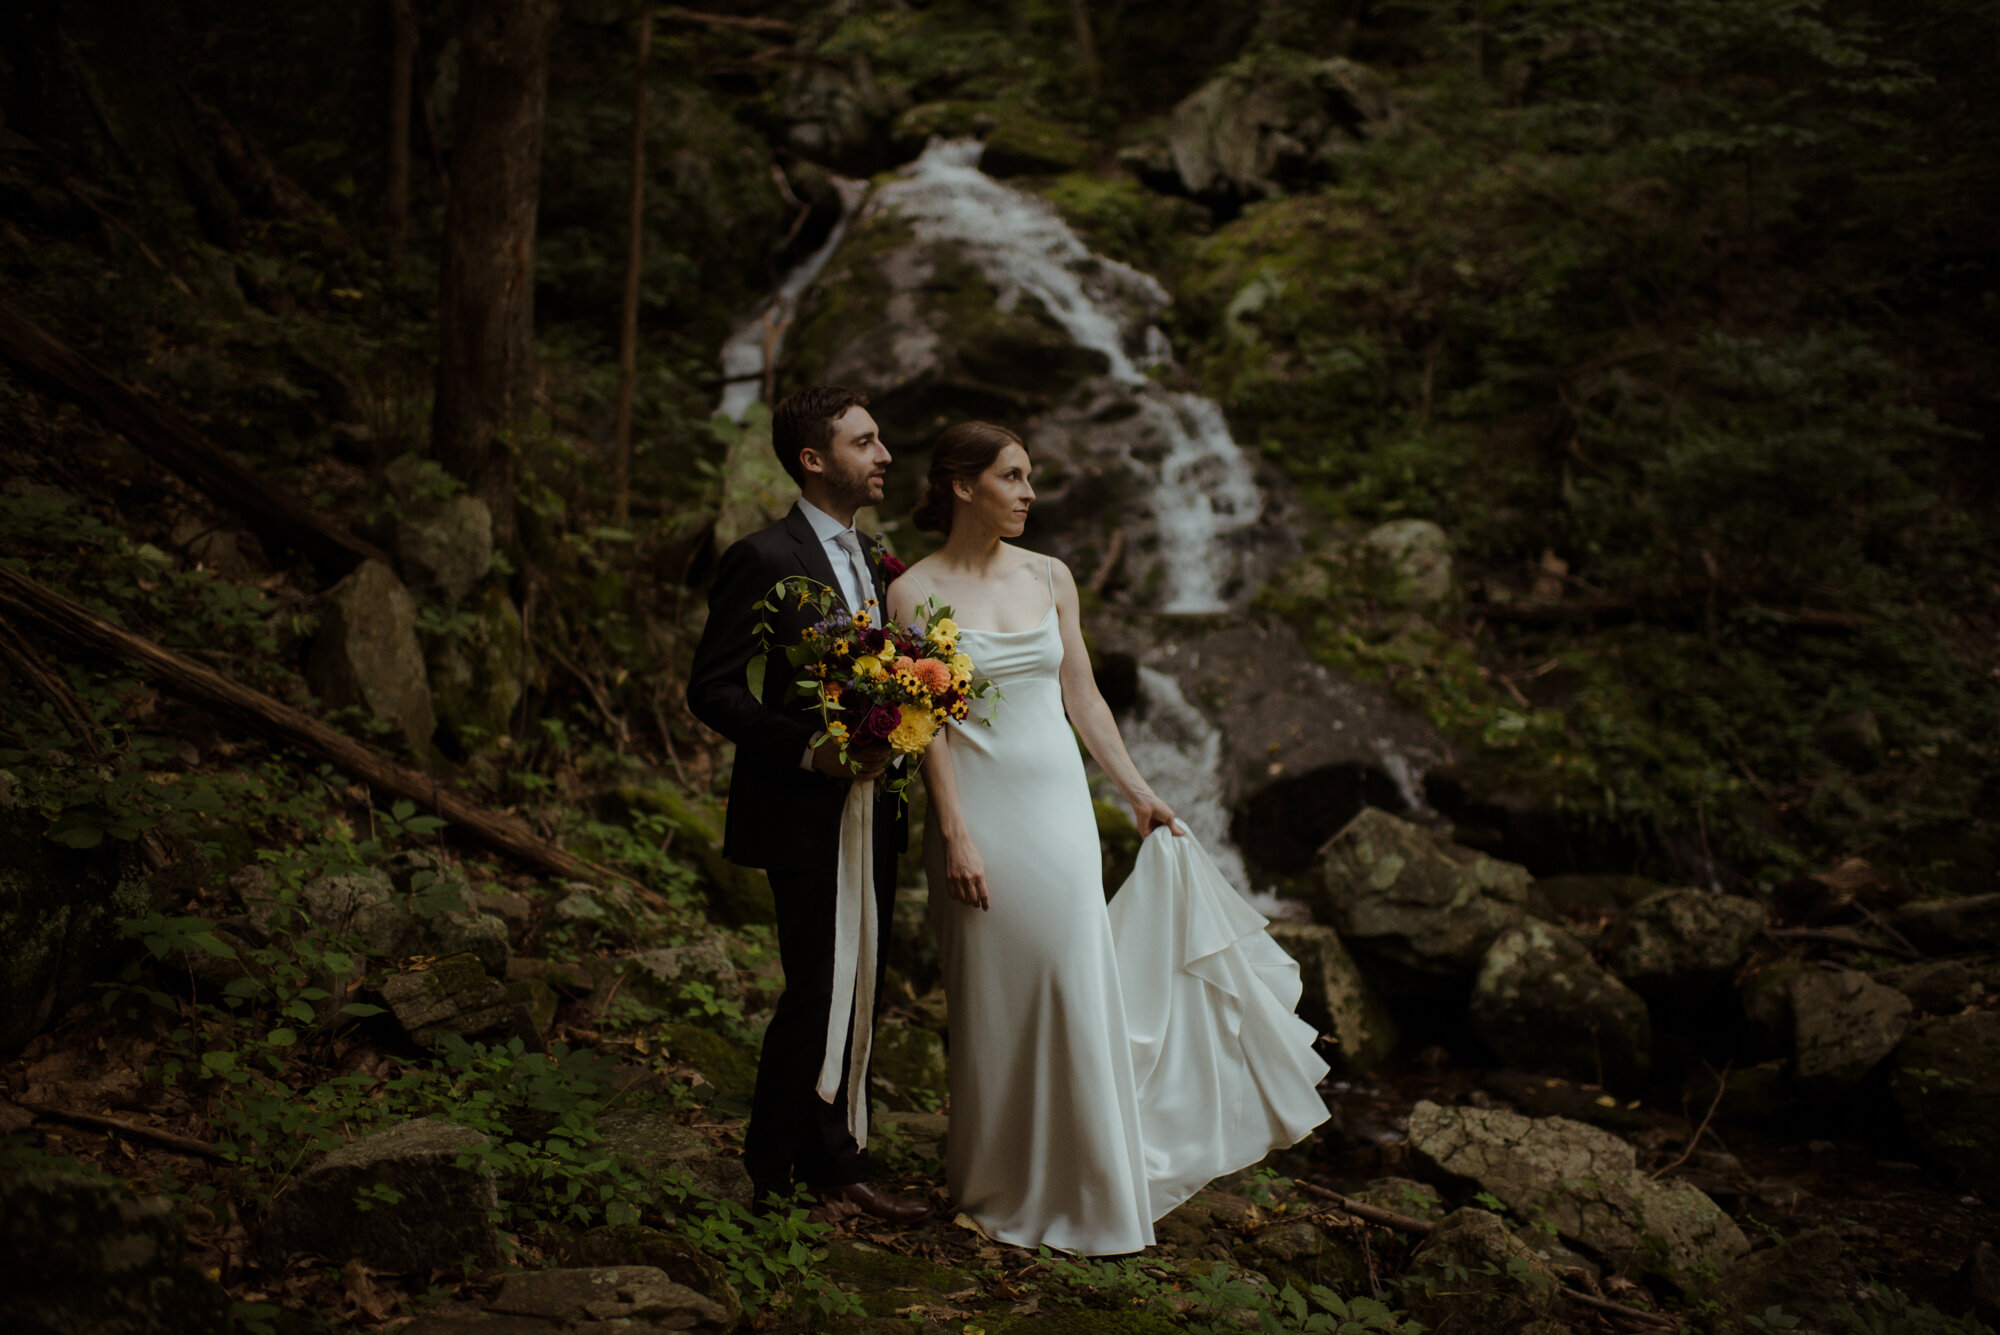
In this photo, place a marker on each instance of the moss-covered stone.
(742, 893)
(1300, 1255)
(1018, 142)
(726, 1065)
(1054, 1320)
(477, 673)
(681, 1260)
(885, 1281)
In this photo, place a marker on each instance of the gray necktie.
(850, 542)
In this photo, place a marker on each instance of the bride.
(1105, 1063)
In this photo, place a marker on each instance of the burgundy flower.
(880, 722)
(892, 567)
(872, 639)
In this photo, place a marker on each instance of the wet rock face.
(1275, 120)
(1336, 999)
(59, 915)
(835, 113)
(367, 654)
(83, 1254)
(1541, 1001)
(1585, 1183)
(1473, 1275)
(1682, 940)
(1946, 1083)
(439, 1218)
(1415, 900)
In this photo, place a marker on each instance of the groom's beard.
(854, 490)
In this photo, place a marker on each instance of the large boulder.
(1472, 1275)
(1406, 897)
(1412, 560)
(443, 537)
(1336, 999)
(742, 893)
(1272, 121)
(1582, 1181)
(680, 1260)
(1541, 1001)
(676, 978)
(399, 1200)
(367, 655)
(1946, 1082)
(1843, 1024)
(451, 995)
(1678, 943)
(478, 671)
(1947, 926)
(953, 296)
(84, 1256)
(60, 911)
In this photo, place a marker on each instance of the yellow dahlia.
(914, 733)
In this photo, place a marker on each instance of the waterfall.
(1180, 753)
(753, 346)
(1206, 490)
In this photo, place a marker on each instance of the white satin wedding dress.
(1105, 1064)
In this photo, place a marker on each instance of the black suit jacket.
(781, 815)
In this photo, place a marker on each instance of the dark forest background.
(1679, 318)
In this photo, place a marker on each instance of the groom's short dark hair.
(803, 420)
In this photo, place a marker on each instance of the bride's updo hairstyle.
(962, 451)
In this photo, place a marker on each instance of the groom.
(785, 795)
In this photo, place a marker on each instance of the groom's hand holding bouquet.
(881, 690)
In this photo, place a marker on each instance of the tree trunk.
(402, 73)
(486, 287)
(628, 328)
(1086, 47)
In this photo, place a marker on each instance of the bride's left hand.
(1149, 813)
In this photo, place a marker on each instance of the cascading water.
(754, 344)
(1205, 490)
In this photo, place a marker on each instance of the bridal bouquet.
(874, 683)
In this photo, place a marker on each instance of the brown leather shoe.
(852, 1198)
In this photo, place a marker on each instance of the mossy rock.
(1300, 1255)
(683, 1262)
(885, 1281)
(477, 676)
(726, 1065)
(742, 893)
(1018, 143)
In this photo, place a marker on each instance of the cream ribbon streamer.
(855, 933)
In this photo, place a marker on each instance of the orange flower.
(930, 674)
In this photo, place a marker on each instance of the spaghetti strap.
(926, 593)
(1049, 569)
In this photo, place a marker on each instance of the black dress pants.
(794, 1135)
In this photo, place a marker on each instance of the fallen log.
(135, 1130)
(69, 622)
(172, 441)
